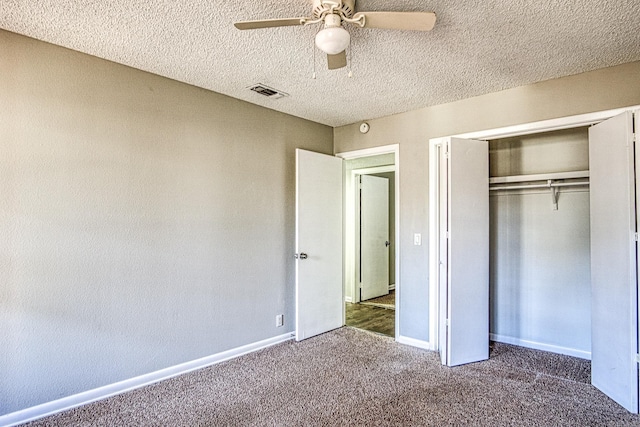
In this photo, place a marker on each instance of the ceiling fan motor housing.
(346, 6)
(332, 21)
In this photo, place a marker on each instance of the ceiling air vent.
(267, 91)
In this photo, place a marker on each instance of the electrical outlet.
(279, 320)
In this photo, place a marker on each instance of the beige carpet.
(352, 377)
(385, 301)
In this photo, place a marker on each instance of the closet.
(560, 244)
(539, 274)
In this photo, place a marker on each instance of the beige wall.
(143, 222)
(594, 91)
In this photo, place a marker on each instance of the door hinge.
(637, 358)
(636, 237)
(446, 322)
(446, 234)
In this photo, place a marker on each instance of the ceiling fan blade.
(338, 60)
(412, 21)
(268, 23)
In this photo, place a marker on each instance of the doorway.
(371, 260)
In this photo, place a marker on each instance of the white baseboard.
(73, 401)
(348, 299)
(541, 346)
(415, 343)
(392, 287)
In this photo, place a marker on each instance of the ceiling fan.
(333, 39)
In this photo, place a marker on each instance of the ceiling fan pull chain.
(350, 60)
(313, 49)
(313, 76)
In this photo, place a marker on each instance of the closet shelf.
(547, 185)
(524, 182)
(539, 177)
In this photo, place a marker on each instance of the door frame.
(349, 264)
(356, 205)
(569, 122)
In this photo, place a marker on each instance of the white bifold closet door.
(464, 251)
(614, 295)
(319, 295)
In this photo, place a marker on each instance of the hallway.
(373, 315)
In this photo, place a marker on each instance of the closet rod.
(538, 177)
(552, 185)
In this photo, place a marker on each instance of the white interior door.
(374, 236)
(319, 294)
(466, 297)
(614, 322)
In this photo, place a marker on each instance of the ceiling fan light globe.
(333, 40)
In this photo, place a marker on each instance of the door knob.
(387, 243)
(301, 255)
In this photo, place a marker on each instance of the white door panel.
(467, 216)
(614, 297)
(319, 294)
(443, 249)
(374, 236)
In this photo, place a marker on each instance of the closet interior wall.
(540, 257)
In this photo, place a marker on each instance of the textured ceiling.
(476, 47)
